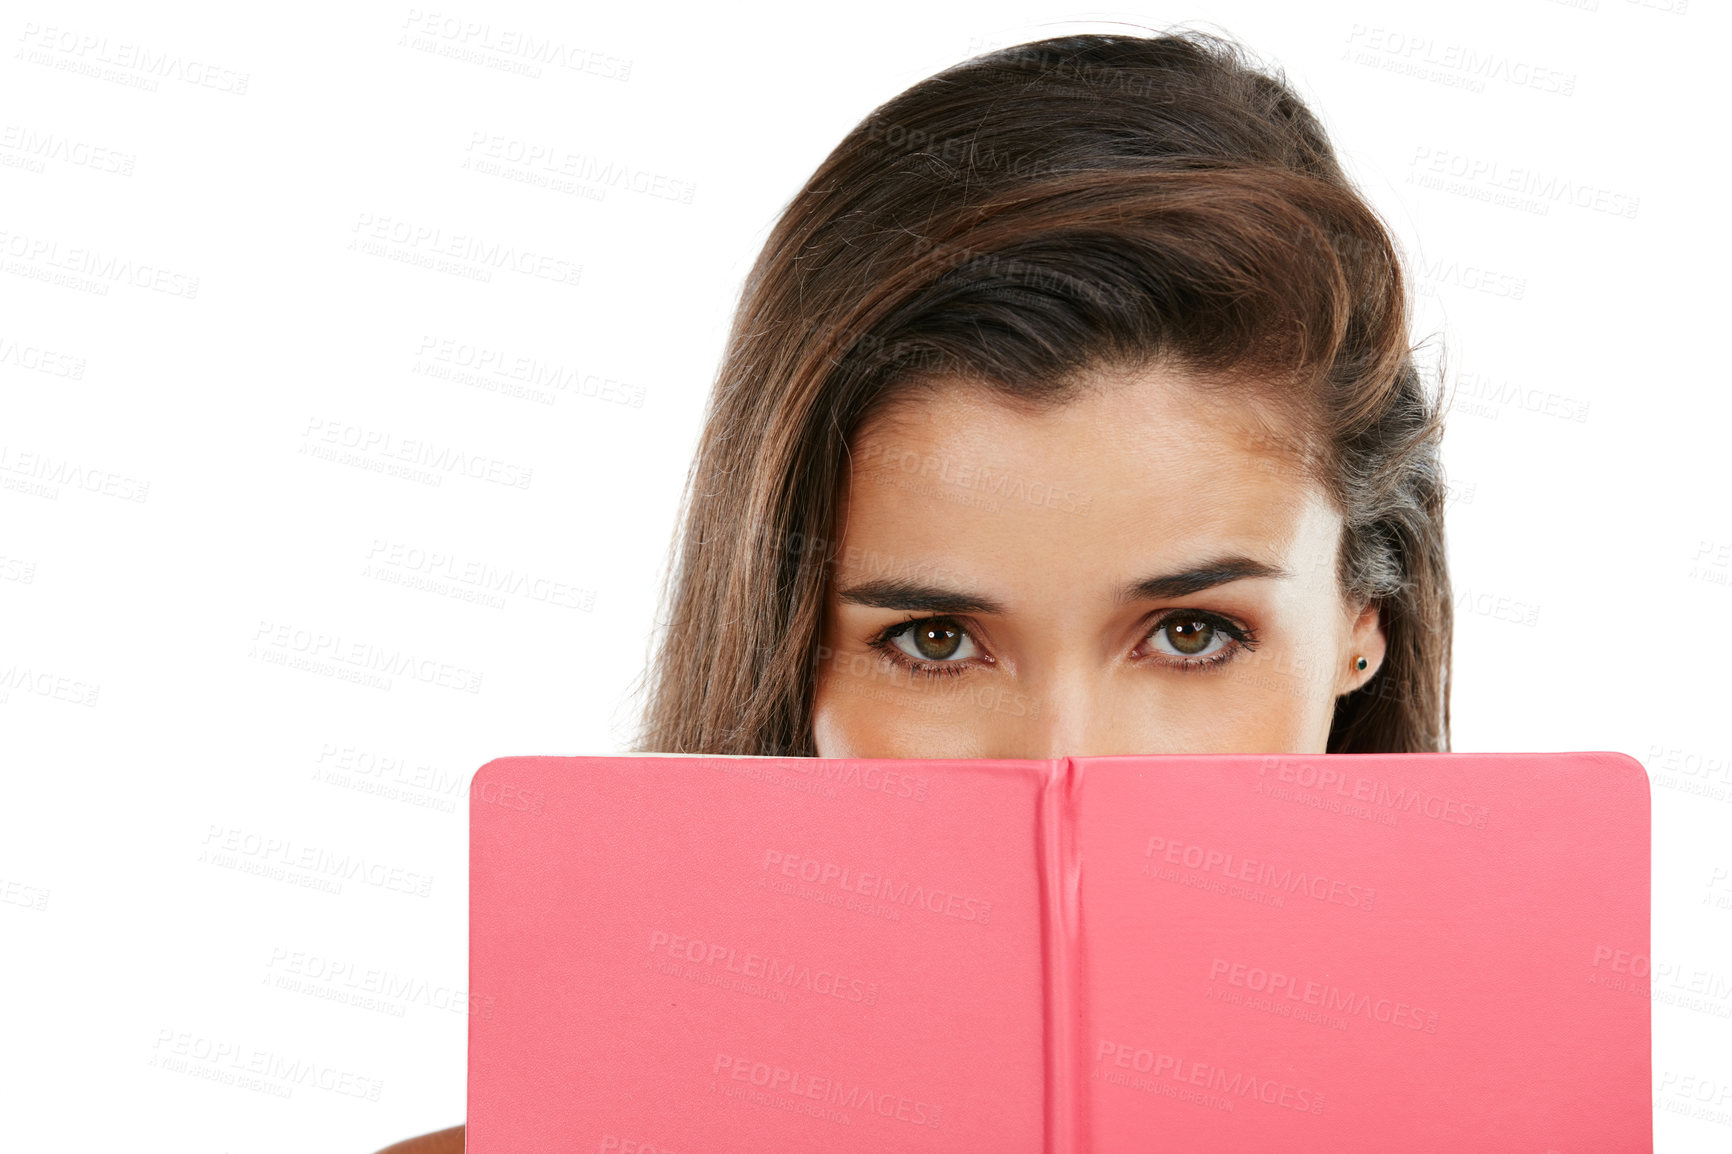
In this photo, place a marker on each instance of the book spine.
(1061, 950)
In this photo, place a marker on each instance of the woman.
(1069, 409)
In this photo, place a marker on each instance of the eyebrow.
(891, 593)
(1198, 578)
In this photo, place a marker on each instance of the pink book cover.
(1138, 954)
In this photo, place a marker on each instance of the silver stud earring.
(1360, 663)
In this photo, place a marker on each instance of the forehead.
(1136, 473)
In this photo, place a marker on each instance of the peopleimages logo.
(466, 253)
(1230, 1084)
(825, 777)
(388, 446)
(1285, 878)
(1331, 784)
(367, 987)
(825, 873)
(834, 1092)
(285, 860)
(233, 1062)
(781, 972)
(900, 466)
(282, 643)
(1323, 995)
(53, 472)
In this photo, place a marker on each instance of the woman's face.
(1144, 569)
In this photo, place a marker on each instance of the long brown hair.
(1020, 219)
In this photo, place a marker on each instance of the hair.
(1024, 220)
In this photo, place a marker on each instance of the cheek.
(863, 709)
(1288, 700)
(847, 721)
(1257, 710)
(841, 706)
(830, 729)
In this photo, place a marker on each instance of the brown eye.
(1198, 638)
(935, 639)
(1188, 635)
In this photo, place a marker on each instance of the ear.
(1365, 639)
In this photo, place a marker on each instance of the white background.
(168, 535)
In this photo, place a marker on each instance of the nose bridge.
(1069, 714)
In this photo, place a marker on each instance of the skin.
(439, 1142)
(1144, 475)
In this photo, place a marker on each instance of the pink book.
(1137, 954)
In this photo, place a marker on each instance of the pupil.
(1190, 636)
(937, 642)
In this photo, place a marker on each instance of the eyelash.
(1243, 637)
